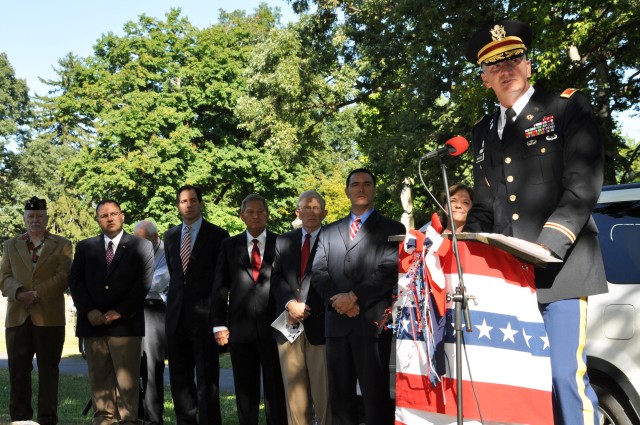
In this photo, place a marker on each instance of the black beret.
(499, 41)
(35, 204)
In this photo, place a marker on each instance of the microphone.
(454, 147)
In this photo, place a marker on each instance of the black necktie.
(510, 114)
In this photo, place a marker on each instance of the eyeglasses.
(511, 63)
(310, 209)
(113, 214)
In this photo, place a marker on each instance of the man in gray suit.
(355, 270)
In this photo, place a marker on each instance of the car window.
(619, 234)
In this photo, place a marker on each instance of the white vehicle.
(613, 327)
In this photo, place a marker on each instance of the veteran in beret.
(34, 271)
(538, 170)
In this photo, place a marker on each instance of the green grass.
(74, 394)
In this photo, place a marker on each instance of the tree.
(14, 116)
(415, 89)
(155, 109)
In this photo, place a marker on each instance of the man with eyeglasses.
(303, 361)
(538, 170)
(109, 279)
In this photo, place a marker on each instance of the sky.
(35, 34)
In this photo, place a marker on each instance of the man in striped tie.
(191, 250)
(355, 270)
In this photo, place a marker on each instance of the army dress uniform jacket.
(540, 183)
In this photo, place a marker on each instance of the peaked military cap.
(499, 41)
(35, 204)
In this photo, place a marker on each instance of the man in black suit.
(355, 270)
(303, 361)
(109, 280)
(243, 310)
(192, 249)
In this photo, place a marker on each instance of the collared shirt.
(517, 108)
(115, 240)
(262, 242)
(365, 215)
(161, 277)
(314, 236)
(195, 229)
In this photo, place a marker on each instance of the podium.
(507, 373)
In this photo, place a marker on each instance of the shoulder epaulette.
(568, 93)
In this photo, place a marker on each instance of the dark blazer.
(287, 285)
(193, 290)
(123, 287)
(368, 266)
(251, 307)
(540, 183)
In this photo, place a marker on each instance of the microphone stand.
(460, 297)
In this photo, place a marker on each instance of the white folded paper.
(291, 331)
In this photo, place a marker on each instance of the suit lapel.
(48, 248)
(21, 247)
(120, 252)
(343, 228)
(268, 255)
(243, 254)
(296, 252)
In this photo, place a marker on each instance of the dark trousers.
(154, 350)
(352, 359)
(22, 343)
(247, 359)
(189, 350)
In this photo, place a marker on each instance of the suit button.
(298, 290)
(507, 160)
(510, 179)
(515, 216)
(543, 150)
(106, 286)
(512, 198)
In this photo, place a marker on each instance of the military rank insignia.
(547, 125)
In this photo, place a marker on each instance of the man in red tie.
(303, 361)
(355, 270)
(242, 312)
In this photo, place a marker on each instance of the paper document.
(521, 249)
(291, 331)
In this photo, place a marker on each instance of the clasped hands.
(96, 318)
(346, 303)
(27, 298)
(222, 337)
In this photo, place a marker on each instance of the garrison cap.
(499, 41)
(35, 204)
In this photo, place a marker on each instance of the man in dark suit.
(192, 249)
(355, 270)
(538, 164)
(303, 361)
(109, 280)
(243, 310)
(34, 276)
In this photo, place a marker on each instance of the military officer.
(538, 170)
